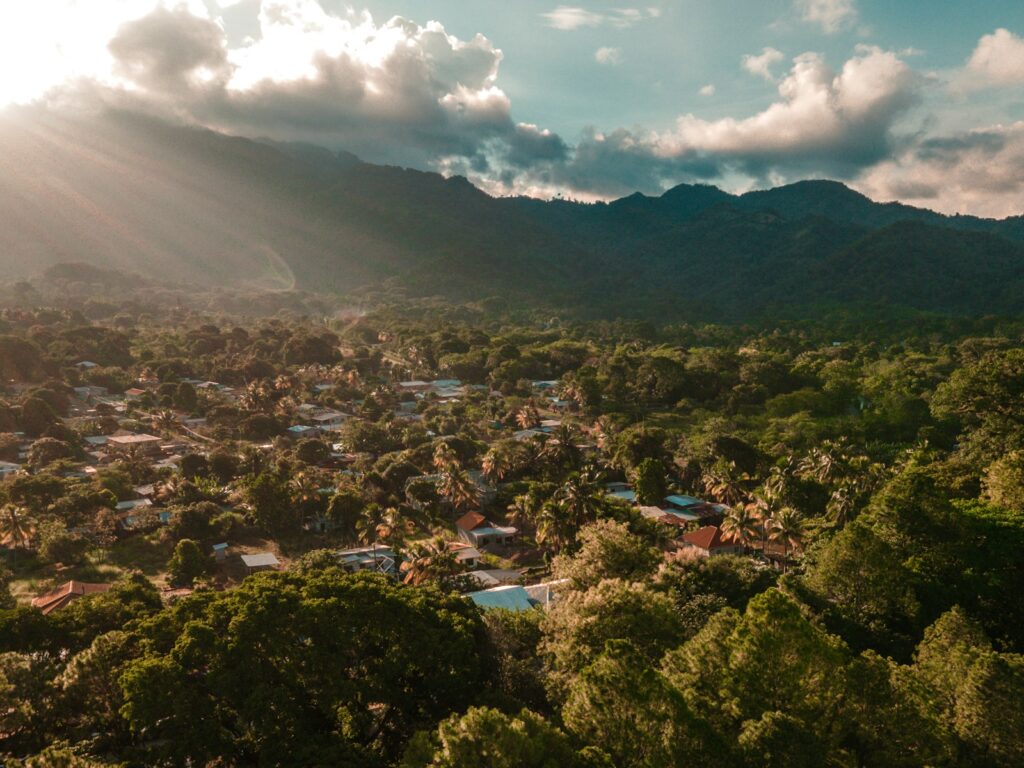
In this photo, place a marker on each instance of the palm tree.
(498, 462)
(521, 511)
(580, 500)
(554, 528)
(445, 457)
(788, 528)
(560, 449)
(430, 560)
(741, 524)
(458, 488)
(171, 488)
(15, 527)
(393, 527)
(165, 421)
(369, 521)
(725, 484)
(528, 417)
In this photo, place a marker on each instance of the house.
(146, 444)
(90, 393)
(220, 551)
(709, 541)
(260, 561)
(87, 365)
(8, 468)
(477, 530)
(380, 558)
(509, 597)
(302, 430)
(621, 491)
(327, 421)
(465, 554)
(66, 594)
(134, 393)
(412, 387)
(494, 577)
(546, 593)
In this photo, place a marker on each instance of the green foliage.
(487, 737)
(607, 550)
(287, 669)
(187, 564)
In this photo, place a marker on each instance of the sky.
(919, 101)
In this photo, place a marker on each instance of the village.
(501, 565)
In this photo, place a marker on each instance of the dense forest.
(867, 479)
(183, 205)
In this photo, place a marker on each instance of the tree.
(488, 737)
(740, 523)
(1003, 482)
(270, 503)
(862, 577)
(769, 659)
(344, 509)
(431, 560)
(620, 695)
(577, 627)
(649, 481)
(16, 529)
(47, 450)
(287, 669)
(607, 551)
(185, 398)
(37, 416)
(787, 528)
(187, 564)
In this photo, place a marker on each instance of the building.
(710, 541)
(146, 444)
(477, 530)
(327, 421)
(465, 554)
(260, 561)
(66, 594)
(509, 597)
(380, 558)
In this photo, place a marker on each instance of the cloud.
(761, 65)
(570, 18)
(824, 123)
(830, 15)
(981, 171)
(998, 59)
(608, 56)
(391, 92)
(707, 90)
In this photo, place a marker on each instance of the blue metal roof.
(511, 598)
(683, 501)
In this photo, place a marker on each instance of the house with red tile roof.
(66, 594)
(710, 541)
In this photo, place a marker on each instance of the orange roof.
(471, 520)
(709, 537)
(65, 594)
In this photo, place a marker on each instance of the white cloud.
(761, 65)
(707, 90)
(824, 123)
(830, 15)
(997, 60)
(569, 18)
(608, 56)
(979, 171)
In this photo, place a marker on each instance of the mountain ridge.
(170, 202)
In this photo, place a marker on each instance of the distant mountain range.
(171, 203)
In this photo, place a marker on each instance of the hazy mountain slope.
(172, 203)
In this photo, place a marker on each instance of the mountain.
(177, 204)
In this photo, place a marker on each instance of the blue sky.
(916, 100)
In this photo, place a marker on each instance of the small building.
(260, 561)
(328, 421)
(494, 577)
(66, 594)
(380, 558)
(134, 393)
(87, 365)
(477, 530)
(8, 468)
(465, 554)
(710, 541)
(147, 444)
(220, 551)
(302, 430)
(509, 597)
